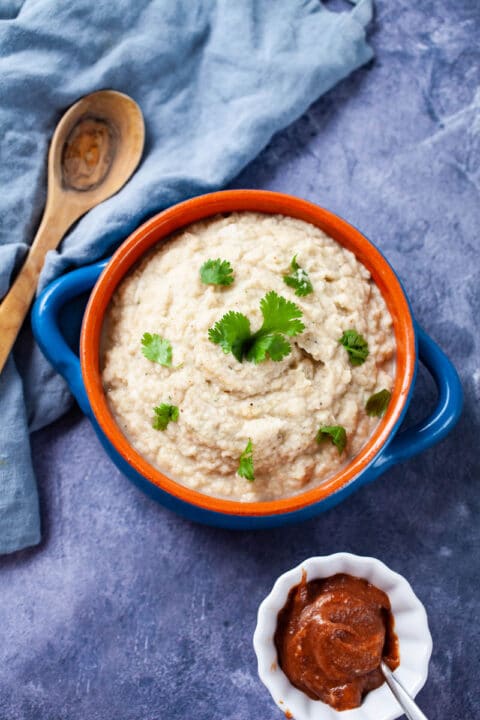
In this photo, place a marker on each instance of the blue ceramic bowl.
(56, 326)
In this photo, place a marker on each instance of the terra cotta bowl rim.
(159, 228)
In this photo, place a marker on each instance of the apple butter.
(332, 634)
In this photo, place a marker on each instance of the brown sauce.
(331, 636)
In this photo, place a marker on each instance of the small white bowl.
(411, 627)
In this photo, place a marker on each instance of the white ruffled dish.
(411, 627)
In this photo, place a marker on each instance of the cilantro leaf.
(355, 345)
(298, 279)
(275, 345)
(245, 466)
(278, 347)
(157, 349)
(336, 433)
(280, 317)
(378, 403)
(231, 333)
(217, 272)
(164, 414)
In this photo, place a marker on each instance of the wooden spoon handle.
(17, 301)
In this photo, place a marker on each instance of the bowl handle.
(443, 418)
(45, 325)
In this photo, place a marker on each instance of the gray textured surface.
(126, 611)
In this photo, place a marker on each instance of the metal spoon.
(409, 706)
(95, 149)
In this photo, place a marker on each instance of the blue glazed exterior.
(400, 446)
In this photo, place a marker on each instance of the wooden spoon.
(95, 149)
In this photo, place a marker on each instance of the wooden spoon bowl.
(95, 149)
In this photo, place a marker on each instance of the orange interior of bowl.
(171, 220)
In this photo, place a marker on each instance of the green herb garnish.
(298, 279)
(378, 403)
(232, 333)
(336, 433)
(245, 466)
(217, 272)
(157, 349)
(280, 317)
(356, 346)
(164, 414)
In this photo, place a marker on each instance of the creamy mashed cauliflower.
(223, 403)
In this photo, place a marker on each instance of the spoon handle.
(16, 303)
(409, 706)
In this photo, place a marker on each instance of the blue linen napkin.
(215, 80)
